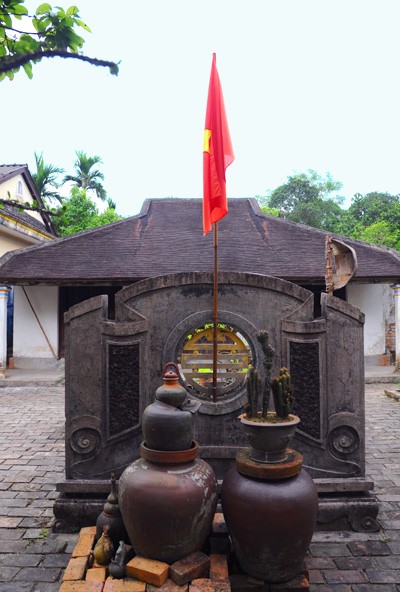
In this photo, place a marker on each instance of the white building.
(18, 229)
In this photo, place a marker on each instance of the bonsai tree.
(257, 388)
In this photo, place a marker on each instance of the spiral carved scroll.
(85, 441)
(344, 439)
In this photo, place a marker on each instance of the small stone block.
(218, 525)
(195, 565)
(81, 586)
(148, 570)
(84, 545)
(206, 585)
(75, 569)
(96, 574)
(219, 567)
(168, 586)
(298, 584)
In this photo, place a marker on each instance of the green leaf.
(83, 25)
(43, 8)
(28, 69)
(6, 19)
(41, 24)
(73, 10)
(18, 9)
(28, 43)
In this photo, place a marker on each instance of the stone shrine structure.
(113, 368)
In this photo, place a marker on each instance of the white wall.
(29, 340)
(374, 300)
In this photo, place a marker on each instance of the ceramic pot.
(111, 517)
(166, 427)
(168, 503)
(169, 422)
(271, 522)
(269, 441)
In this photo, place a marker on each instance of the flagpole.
(215, 316)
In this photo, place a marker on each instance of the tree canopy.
(81, 213)
(87, 177)
(50, 32)
(310, 199)
(46, 179)
(78, 211)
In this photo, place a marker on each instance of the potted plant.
(269, 432)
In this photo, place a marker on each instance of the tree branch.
(21, 206)
(22, 32)
(9, 63)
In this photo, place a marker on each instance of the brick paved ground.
(32, 461)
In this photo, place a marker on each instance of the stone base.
(350, 510)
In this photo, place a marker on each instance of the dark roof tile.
(166, 237)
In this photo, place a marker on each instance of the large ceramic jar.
(168, 500)
(270, 520)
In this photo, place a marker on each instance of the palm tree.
(85, 177)
(45, 179)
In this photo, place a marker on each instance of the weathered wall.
(376, 302)
(29, 338)
(114, 368)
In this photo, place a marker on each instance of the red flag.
(217, 154)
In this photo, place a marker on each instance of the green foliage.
(375, 218)
(307, 198)
(80, 213)
(310, 199)
(381, 233)
(54, 35)
(46, 179)
(85, 177)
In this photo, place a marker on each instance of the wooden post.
(328, 259)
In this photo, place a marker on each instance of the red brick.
(148, 570)
(87, 530)
(195, 565)
(81, 587)
(75, 569)
(96, 574)
(168, 586)
(219, 567)
(84, 545)
(207, 585)
(125, 585)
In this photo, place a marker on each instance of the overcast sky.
(308, 84)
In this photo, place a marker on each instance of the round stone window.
(195, 360)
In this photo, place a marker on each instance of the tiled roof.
(166, 237)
